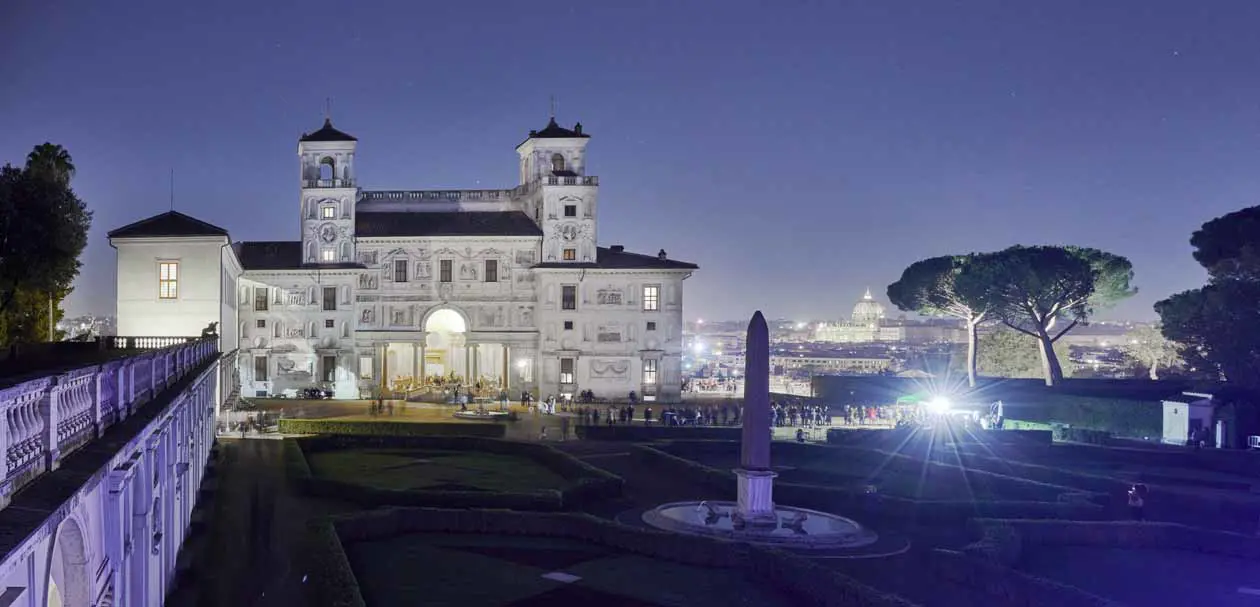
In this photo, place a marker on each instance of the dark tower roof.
(170, 223)
(555, 131)
(327, 133)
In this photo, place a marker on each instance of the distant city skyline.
(798, 154)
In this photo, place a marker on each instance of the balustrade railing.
(42, 420)
(474, 195)
(327, 183)
(117, 342)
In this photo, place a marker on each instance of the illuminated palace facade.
(408, 291)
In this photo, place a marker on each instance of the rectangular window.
(568, 297)
(566, 370)
(570, 210)
(651, 326)
(329, 212)
(329, 369)
(328, 255)
(492, 270)
(365, 367)
(329, 323)
(330, 299)
(168, 280)
(260, 298)
(649, 372)
(400, 270)
(651, 298)
(444, 270)
(262, 323)
(260, 368)
(570, 254)
(568, 325)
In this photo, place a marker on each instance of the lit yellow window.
(168, 280)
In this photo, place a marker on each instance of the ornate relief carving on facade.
(368, 317)
(524, 278)
(610, 368)
(401, 316)
(493, 316)
(468, 271)
(368, 281)
(525, 316)
(445, 291)
(525, 257)
(609, 297)
(422, 270)
(608, 333)
(367, 258)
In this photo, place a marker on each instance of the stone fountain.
(754, 517)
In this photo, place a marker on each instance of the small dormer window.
(557, 163)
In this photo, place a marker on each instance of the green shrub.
(330, 580)
(384, 428)
(1081, 435)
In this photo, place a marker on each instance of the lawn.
(494, 571)
(432, 469)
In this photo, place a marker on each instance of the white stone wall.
(141, 312)
(295, 336)
(609, 338)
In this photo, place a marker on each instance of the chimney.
(617, 248)
(661, 256)
(577, 128)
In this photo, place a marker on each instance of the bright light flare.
(939, 405)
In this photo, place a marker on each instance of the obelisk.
(756, 480)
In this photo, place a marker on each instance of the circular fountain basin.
(488, 416)
(794, 528)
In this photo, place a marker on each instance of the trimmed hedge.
(806, 581)
(1124, 534)
(330, 581)
(631, 432)
(588, 483)
(384, 428)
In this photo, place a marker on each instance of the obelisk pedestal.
(755, 503)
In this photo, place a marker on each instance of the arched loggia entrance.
(445, 351)
(68, 583)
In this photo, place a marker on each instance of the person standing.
(1137, 501)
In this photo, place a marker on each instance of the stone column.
(507, 370)
(467, 363)
(383, 368)
(415, 361)
(423, 370)
(48, 411)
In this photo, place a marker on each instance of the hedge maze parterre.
(982, 509)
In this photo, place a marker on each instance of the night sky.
(798, 151)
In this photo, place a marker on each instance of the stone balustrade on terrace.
(47, 418)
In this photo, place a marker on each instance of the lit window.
(649, 372)
(568, 297)
(329, 212)
(492, 270)
(570, 254)
(651, 298)
(168, 280)
(400, 270)
(327, 255)
(566, 370)
(365, 367)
